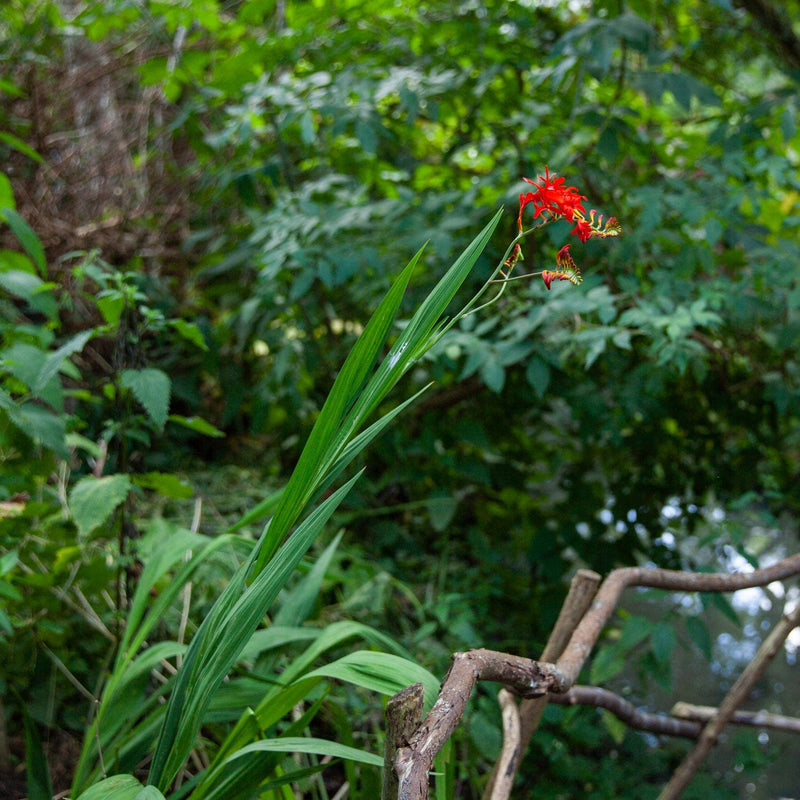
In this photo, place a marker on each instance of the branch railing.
(583, 616)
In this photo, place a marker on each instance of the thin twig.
(64, 670)
(627, 712)
(756, 719)
(735, 697)
(510, 754)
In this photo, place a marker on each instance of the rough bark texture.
(403, 717)
(581, 592)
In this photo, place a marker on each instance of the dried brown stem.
(627, 712)
(510, 753)
(582, 589)
(738, 693)
(756, 719)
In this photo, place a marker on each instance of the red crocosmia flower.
(564, 258)
(583, 230)
(551, 197)
(567, 269)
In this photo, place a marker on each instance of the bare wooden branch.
(523, 676)
(756, 719)
(627, 712)
(403, 717)
(529, 678)
(684, 718)
(607, 597)
(509, 755)
(738, 693)
(582, 589)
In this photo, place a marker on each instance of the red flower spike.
(552, 198)
(586, 228)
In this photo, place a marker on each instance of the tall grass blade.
(294, 687)
(221, 638)
(299, 603)
(317, 451)
(144, 615)
(40, 786)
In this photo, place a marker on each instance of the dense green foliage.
(265, 172)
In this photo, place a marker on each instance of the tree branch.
(582, 589)
(529, 678)
(738, 693)
(756, 719)
(684, 718)
(523, 676)
(627, 712)
(505, 768)
(607, 597)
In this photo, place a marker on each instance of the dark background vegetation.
(224, 190)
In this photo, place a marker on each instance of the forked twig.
(529, 678)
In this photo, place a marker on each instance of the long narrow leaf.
(380, 672)
(295, 686)
(317, 451)
(297, 605)
(416, 337)
(144, 615)
(40, 786)
(117, 787)
(172, 549)
(320, 747)
(210, 656)
(239, 778)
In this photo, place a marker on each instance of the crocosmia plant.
(162, 729)
(552, 200)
